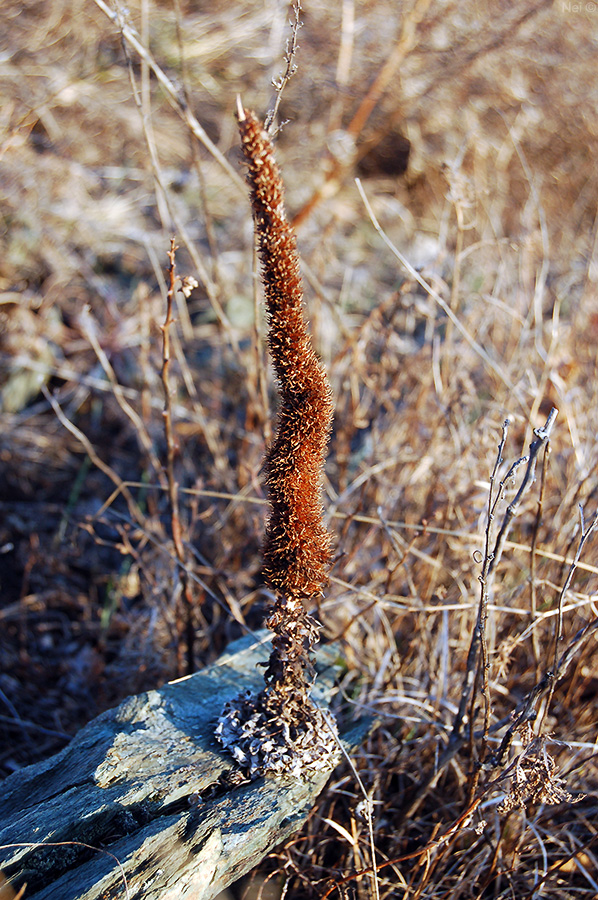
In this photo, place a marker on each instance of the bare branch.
(280, 83)
(542, 435)
(185, 609)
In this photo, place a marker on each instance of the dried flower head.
(281, 730)
(534, 777)
(297, 545)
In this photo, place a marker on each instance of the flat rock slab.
(133, 807)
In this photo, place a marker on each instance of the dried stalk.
(492, 556)
(280, 83)
(542, 436)
(184, 608)
(281, 730)
(477, 647)
(533, 559)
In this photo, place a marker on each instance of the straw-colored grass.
(101, 160)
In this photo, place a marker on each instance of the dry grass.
(497, 210)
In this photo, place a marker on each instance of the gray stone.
(133, 806)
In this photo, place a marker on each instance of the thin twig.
(492, 557)
(168, 429)
(484, 577)
(533, 558)
(526, 710)
(478, 639)
(280, 83)
(185, 627)
(542, 436)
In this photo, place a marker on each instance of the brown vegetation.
(281, 730)
(491, 193)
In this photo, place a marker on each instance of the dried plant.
(186, 601)
(281, 729)
(498, 311)
(534, 776)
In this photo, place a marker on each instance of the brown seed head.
(297, 545)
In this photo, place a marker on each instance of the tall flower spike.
(281, 730)
(297, 545)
